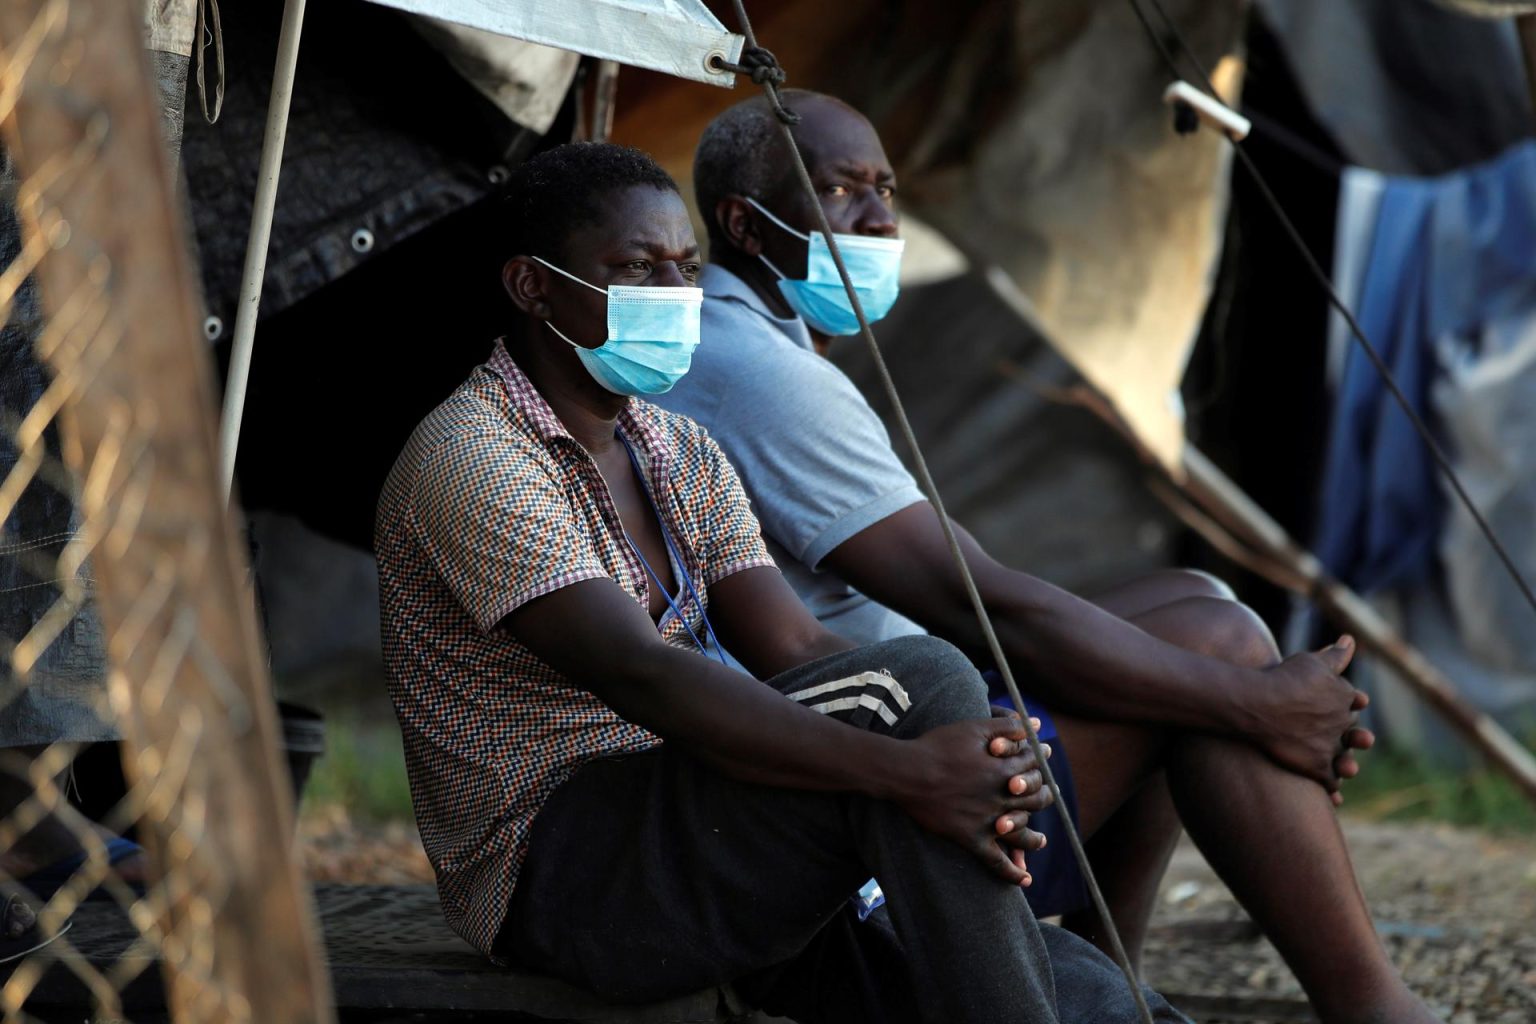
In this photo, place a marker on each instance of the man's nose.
(875, 219)
(667, 275)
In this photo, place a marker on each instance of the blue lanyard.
(677, 560)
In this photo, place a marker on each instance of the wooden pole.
(1525, 28)
(605, 98)
(188, 686)
(597, 93)
(1287, 564)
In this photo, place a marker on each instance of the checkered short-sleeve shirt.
(492, 504)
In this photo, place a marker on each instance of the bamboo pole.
(248, 308)
(230, 913)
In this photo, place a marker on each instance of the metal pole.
(256, 245)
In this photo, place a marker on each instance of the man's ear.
(524, 282)
(738, 222)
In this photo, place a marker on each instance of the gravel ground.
(1456, 908)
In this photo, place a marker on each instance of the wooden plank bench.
(392, 958)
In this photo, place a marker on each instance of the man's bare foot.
(1399, 1007)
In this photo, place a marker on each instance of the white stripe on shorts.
(863, 679)
(866, 700)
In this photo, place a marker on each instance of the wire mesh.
(97, 477)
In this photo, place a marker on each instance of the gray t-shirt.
(815, 459)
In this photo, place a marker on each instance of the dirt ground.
(1456, 909)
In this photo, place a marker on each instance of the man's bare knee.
(1216, 627)
(1234, 633)
(1203, 584)
(1199, 583)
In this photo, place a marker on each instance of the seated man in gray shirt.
(1166, 687)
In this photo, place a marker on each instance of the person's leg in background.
(1270, 834)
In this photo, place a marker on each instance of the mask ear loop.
(566, 273)
(766, 213)
(558, 332)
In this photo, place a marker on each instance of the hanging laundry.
(1442, 275)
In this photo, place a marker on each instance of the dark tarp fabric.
(384, 139)
(1406, 86)
(56, 696)
(380, 254)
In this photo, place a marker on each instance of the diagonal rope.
(1436, 451)
(765, 71)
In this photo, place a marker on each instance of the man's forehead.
(638, 217)
(837, 137)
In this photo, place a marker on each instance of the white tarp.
(677, 37)
(526, 81)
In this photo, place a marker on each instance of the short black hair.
(557, 190)
(742, 153)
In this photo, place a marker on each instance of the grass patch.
(362, 770)
(1398, 785)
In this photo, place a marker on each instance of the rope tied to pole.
(762, 67)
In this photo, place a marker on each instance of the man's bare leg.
(1128, 813)
(1271, 835)
(1129, 853)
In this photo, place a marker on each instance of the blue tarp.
(1448, 256)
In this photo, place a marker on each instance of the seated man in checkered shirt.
(600, 799)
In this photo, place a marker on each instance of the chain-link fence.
(124, 611)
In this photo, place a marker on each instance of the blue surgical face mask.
(874, 266)
(652, 332)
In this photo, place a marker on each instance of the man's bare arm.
(765, 626)
(598, 636)
(1086, 661)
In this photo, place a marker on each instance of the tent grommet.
(213, 328)
(362, 240)
(498, 174)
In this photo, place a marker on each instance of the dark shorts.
(1058, 886)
